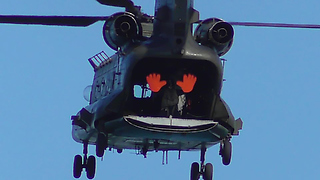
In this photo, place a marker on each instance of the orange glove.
(188, 83)
(154, 82)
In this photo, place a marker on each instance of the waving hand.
(154, 82)
(188, 83)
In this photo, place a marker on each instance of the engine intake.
(121, 29)
(216, 34)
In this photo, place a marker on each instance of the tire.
(226, 152)
(77, 166)
(100, 144)
(208, 172)
(91, 167)
(194, 175)
(99, 150)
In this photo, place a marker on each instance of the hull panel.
(156, 133)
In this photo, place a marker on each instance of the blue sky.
(272, 84)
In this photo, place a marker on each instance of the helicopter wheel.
(195, 174)
(225, 152)
(91, 167)
(77, 166)
(208, 172)
(101, 144)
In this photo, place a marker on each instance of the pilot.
(170, 98)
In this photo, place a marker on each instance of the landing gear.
(208, 172)
(88, 163)
(205, 170)
(226, 151)
(91, 167)
(77, 166)
(101, 144)
(195, 174)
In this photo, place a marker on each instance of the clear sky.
(272, 84)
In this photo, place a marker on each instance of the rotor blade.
(118, 3)
(79, 21)
(281, 25)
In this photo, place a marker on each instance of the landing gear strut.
(205, 170)
(89, 164)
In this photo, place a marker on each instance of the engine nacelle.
(121, 29)
(215, 33)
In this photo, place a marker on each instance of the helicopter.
(137, 63)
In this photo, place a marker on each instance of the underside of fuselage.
(156, 133)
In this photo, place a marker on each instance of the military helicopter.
(161, 90)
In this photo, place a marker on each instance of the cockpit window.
(142, 91)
